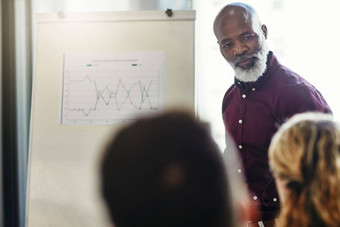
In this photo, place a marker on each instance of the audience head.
(165, 171)
(305, 159)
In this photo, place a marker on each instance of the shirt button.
(275, 199)
(253, 89)
(244, 96)
(240, 146)
(240, 121)
(255, 197)
(239, 170)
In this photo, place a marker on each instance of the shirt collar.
(271, 60)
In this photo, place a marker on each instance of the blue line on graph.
(107, 95)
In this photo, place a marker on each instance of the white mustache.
(245, 57)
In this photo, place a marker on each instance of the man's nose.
(239, 48)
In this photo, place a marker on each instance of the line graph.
(111, 87)
(109, 96)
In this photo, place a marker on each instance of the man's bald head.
(235, 13)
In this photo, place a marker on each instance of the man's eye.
(226, 45)
(249, 37)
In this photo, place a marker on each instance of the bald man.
(263, 96)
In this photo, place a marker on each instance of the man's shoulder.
(231, 88)
(282, 72)
(284, 75)
(230, 92)
(296, 93)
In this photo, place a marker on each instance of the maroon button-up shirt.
(252, 113)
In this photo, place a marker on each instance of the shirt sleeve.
(305, 98)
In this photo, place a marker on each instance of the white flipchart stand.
(63, 180)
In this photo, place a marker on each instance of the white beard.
(256, 71)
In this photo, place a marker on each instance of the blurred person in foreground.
(166, 171)
(304, 156)
(264, 94)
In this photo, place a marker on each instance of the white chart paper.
(111, 88)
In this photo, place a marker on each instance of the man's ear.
(264, 30)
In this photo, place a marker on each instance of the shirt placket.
(241, 119)
(241, 126)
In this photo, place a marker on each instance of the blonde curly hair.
(305, 155)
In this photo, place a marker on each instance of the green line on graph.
(106, 95)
